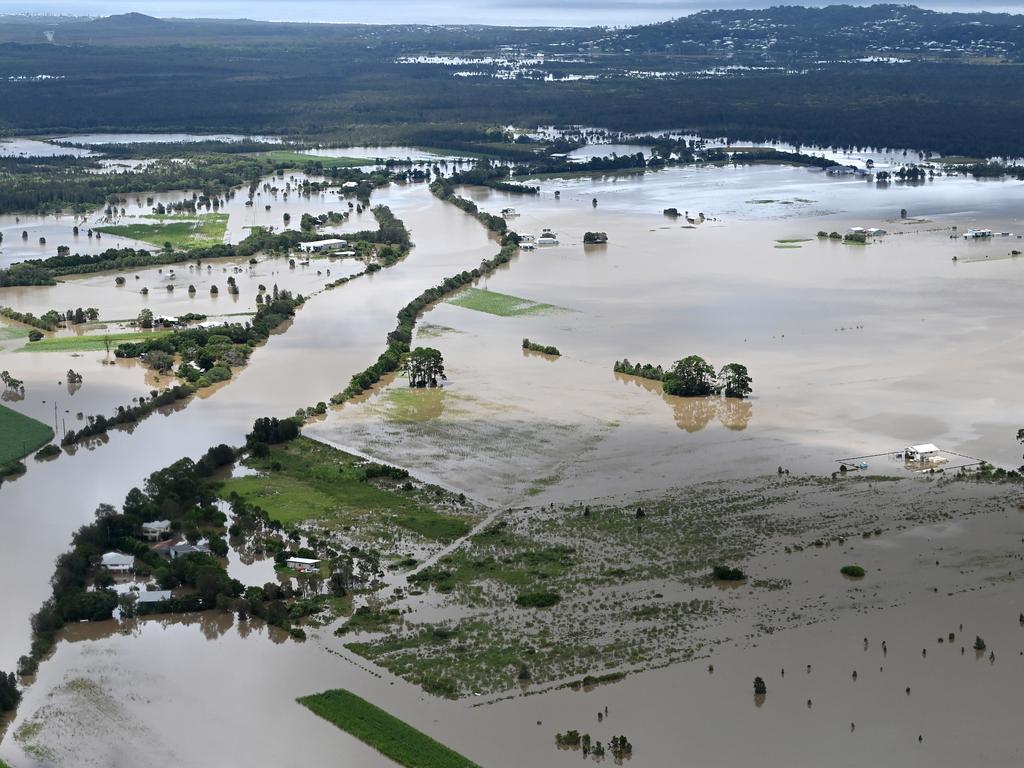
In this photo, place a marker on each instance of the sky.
(500, 12)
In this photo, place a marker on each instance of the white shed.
(922, 452)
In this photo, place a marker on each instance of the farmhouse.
(118, 562)
(303, 564)
(323, 246)
(156, 529)
(923, 452)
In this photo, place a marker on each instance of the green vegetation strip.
(88, 343)
(387, 734)
(501, 304)
(301, 159)
(197, 231)
(20, 435)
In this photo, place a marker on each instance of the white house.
(154, 596)
(876, 232)
(304, 564)
(975, 234)
(118, 562)
(155, 529)
(184, 548)
(323, 246)
(923, 452)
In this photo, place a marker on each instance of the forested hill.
(838, 32)
(881, 76)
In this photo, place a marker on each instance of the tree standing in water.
(692, 376)
(425, 366)
(734, 380)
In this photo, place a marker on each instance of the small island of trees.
(547, 350)
(693, 376)
(424, 366)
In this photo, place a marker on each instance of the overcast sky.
(508, 12)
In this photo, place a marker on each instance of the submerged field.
(501, 304)
(87, 343)
(20, 435)
(200, 230)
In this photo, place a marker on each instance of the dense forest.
(353, 83)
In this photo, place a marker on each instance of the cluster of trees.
(547, 350)
(445, 190)
(619, 746)
(9, 693)
(126, 414)
(778, 156)
(494, 176)
(399, 339)
(208, 354)
(48, 322)
(595, 238)
(693, 376)
(181, 493)
(424, 366)
(10, 382)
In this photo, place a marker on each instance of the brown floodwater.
(852, 350)
(333, 336)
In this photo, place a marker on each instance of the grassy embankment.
(91, 343)
(9, 332)
(20, 435)
(387, 734)
(300, 159)
(192, 232)
(502, 304)
(317, 482)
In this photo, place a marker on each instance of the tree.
(690, 377)
(145, 318)
(158, 361)
(9, 693)
(760, 689)
(425, 366)
(734, 381)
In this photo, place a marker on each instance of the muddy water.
(667, 713)
(335, 335)
(853, 350)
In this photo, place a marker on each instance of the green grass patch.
(196, 231)
(317, 482)
(390, 736)
(300, 159)
(91, 343)
(501, 304)
(20, 435)
(794, 241)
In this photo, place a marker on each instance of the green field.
(495, 303)
(20, 435)
(301, 158)
(317, 482)
(387, 734)
(92, 343)
(191, 232)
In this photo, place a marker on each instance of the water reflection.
(692, 414)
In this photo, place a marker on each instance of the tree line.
(693, 376)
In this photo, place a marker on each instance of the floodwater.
(854, 350)
(333, 336)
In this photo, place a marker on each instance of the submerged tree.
(734, 380)
(760, 689)
(425, 366)
(692, 376)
